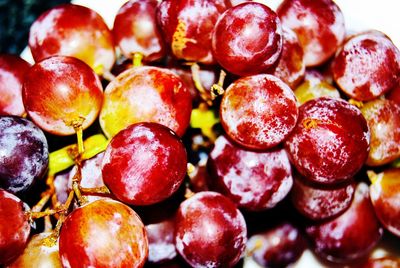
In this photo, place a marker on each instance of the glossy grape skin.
(136, 31)
(146, 94)
(320, 203)
(161, 241)
(247, 39)
(210, 231)
(318, 24)
(330, 142)
(367, 66)
(383, 118)
(12, 72)
(312, 89)
(14, 227)
(277, 247)
(252, 180)
(24, 156)
(37, 254)
(104, 233)
(385, 196)
(144, 164)
(258, 112)
(394, 93)
(187, 27)
(290, 68)
(59, 90)
(73, 30)
(350, 236)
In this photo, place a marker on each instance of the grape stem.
(137, 59)
(217, 89)
(95, 190)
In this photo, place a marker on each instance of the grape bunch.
(200, 133)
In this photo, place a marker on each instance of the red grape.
(210, 231)
(60, 90)
(247, 39)
(104, 233)
(144, 164)
(385, 197)
(383, 117)
(290, 68)
(252, 180)
(135, 30)
(14, 227)
(259, 111)
(12, 73)
(187, 26)
(320, 203)
(330, 142)
(146, 94)
(161, 241)
(277, 247)
(367, 66)
(38, 254)
(24, 154)
(394, 93)
(318, 24)
(350, 236)
(73, 30)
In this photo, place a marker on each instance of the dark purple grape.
(277, 247)
(24, 153)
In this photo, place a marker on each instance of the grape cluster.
(209, 133)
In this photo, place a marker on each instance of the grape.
(37, 254)
(161, 241)
(383, 118)
(290, 68)
(383, 262)
(259, 111)
(277, 247)
(367, 66)
(187, 26)
(320, 203)
(73, 30)
(350, 236)
(210, 231)
(394, 93)
(59, 91)
(330, 142)
(14, 227)
(252, 180)
(104, 233)
(385, 196)
(146, 94)
(144, 164)
(12, 72)
(135, 30)
(24, 154)
(318, 24)
(247, 39)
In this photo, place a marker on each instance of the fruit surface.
(210, 231)
(252, 180)
(104, 233)
(258, 111)
(330, 142)
(12, 72)
(247, 39)
(146, 94)
(14, 227)
(24, 154)
(60, 91)
(73, 30)
(318, 24)
(144, 164)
